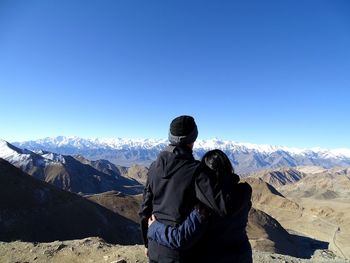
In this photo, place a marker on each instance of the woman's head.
(220, 164)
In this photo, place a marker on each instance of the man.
(169, 193)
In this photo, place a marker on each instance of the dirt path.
(335, 243)
(336, 231)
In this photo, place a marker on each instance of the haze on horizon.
(266, 72)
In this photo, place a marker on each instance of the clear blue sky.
(274, 72)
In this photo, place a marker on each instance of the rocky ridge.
(96, 250)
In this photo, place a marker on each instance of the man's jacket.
(170, 188)
(219, 238)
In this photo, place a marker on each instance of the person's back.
(171, 179)
(220, 237)
(225, 239)
(170, 190)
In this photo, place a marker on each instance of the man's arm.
(181, 237)
(146, 211)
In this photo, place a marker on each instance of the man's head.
(183, 131)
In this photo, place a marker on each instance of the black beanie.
(183, 130)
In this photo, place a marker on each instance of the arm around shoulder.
(182, 237)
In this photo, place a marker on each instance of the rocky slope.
(42, 212)
(96, 250)
(324, 198)
(125, 205)
(138, 172)
(329, 184)
(266, 234)
(33, 210)
(265, 196)
(280, 176)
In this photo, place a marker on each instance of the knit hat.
(183, 130)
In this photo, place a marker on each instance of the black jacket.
(170, 189)
(225, 239)
(219, 238)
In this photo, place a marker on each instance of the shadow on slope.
(308, 245)
(35, 211)
(266, 234)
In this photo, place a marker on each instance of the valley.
(299, 214)
(323, 211)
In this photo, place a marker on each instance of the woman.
(215, 231)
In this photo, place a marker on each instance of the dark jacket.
(220, 238)
(170, 190)
(183, 237)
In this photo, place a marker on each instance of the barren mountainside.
(280, 176)
(297, 211)
(325, 185)
(33, 210)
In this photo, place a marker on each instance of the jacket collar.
(180, 150)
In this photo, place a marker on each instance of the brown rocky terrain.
(266, 234)
(125, 205)
(138, 172)
(280, 176)
(324, 201)
(269, 200)
(284, 212)
(33, 210)
(96, 250)
(279, 224)
(326, 185)
(47, 213)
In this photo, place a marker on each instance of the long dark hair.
(223, 176)
(220, 165)
(218, 161)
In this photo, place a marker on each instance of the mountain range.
(246, 157)
(290, 204)
(71, 173)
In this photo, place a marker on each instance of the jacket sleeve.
(146, 211)
(182, 237)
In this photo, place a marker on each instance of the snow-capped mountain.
(74, 174)
(246, 157)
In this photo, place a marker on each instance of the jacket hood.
(172, 159)
(224, 198)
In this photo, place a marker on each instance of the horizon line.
(166, 140)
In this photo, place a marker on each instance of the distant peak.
(206, 144)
